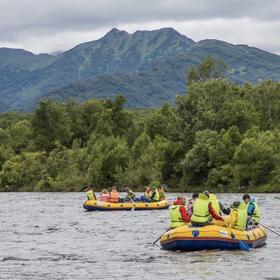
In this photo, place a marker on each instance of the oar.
(270, 229)
(132, 201)
(243, 246)
(160, 237)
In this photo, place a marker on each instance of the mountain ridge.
(146, 64)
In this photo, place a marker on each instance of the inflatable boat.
(189, 238)
(93, 205)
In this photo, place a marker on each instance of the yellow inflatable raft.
(92, 205)
(189, 238)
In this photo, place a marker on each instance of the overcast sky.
(54, 25)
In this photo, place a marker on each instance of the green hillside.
(148, 67)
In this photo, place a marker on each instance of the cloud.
(44, 26)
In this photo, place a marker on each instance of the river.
(50, 236)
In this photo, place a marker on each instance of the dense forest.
(220, 136)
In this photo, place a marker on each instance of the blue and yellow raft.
(189, 238)
(93, 205)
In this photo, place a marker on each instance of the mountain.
(149, 67)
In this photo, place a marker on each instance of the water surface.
(50, 236)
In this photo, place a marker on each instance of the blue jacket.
(251, 207)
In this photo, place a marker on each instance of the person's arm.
(214, 214)
(225, 210)
(185, 216)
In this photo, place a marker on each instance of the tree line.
(221, 136)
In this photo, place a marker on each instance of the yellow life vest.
(156, 196)
(215, 203)
(162, 195)
(175, 216)
(241, 217)
(200, 209)
(90, 195)
(148, 194)
(257, 213)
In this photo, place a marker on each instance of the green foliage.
(51, 126)
(107, 156)
(210, 68)
(220, 136)
(21, 134)
(22, 172)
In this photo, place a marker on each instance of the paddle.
(270, 229)
(243, 246)
(160, 237)
(133, 205)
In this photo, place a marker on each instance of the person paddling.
(114, 195)
(252, 208)
(178, 213)
(238, 216)
(203, 211)
(89, 192)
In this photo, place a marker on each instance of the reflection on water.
(50, 236)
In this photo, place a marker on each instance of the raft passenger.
(104, 196)
(161, 192)
(238, 216)
(147, 197)
(178, 213)
(90, 194)
(155, 196)
(130, 195)
(114, 195)
(191, 203)
(218, 206)
(253, 209)
(203, 211)
(148, 193)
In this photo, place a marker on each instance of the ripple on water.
(46, 238)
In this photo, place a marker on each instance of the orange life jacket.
(114, 196)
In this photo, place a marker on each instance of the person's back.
(178, 213)
(105, 196)
(203, 211)
(114, 195)
(200, 215)
(215, 203)
(155, 196)
(238, 216)
(162, 195)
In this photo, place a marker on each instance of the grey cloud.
(20, 19)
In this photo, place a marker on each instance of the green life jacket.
(161, 195)
(90, 195)
(156, 196)
(241, 217)
(257, 213)
(215, 203)
(200, 209)
(175, 216)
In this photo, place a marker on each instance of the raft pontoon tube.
(92, 205)
(189, 238)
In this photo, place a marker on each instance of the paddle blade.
(243, 246)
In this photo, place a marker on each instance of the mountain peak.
(115, 32)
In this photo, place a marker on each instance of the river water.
(50, 236)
